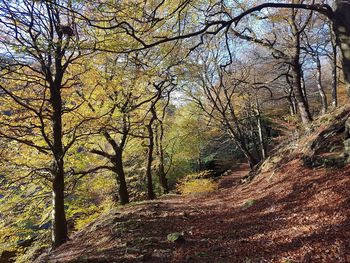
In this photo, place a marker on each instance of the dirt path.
(297, 215)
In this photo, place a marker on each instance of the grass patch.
(249, 203)
(202, 254)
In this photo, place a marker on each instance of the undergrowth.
(197, 183)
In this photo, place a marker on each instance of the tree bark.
(320, 86)
(303, 85)
(117, 161)
(161, 169)
(291, 98)
(292, 105)
(299, 96)
(59, 222)
(297, 75)
(119, 170)
(150, 192)
(334, 71)
(162, 177)
(261, 134)
(341, 23)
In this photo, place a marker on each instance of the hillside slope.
(296, 209)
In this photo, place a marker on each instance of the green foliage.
(23, 209)
(249, 203)
(175, 237)
(93, 197)
(201, 254)
(193, 142)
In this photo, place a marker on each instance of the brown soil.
(294, 215)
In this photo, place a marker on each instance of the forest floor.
(297, 214)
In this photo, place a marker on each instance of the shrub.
(201, 175)
(197, 183)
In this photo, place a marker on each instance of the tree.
(127, 92)
(339, 18)
(163, 90)
(42, 41)
(334, 60)
(118, 99)
(160, 144)
(219, 21)
(218, 96)
(316, 47)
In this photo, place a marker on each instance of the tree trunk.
(335, 81)
(342, 31)
(334, 71)
(59, 223)
(299, 96)
(161, 169)
(291, 98)
(261, 135)
(239, 141)
(253, 134)
(117, 161)
(256, 143)
(303, 85)
(297, 75)
(238, 138)
(294, 101)
(320, 87)
(119, 170)
(162, 178)
(150, 192)
(291, 108)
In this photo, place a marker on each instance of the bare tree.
(217, 96)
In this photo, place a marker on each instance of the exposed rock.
(324, 161)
